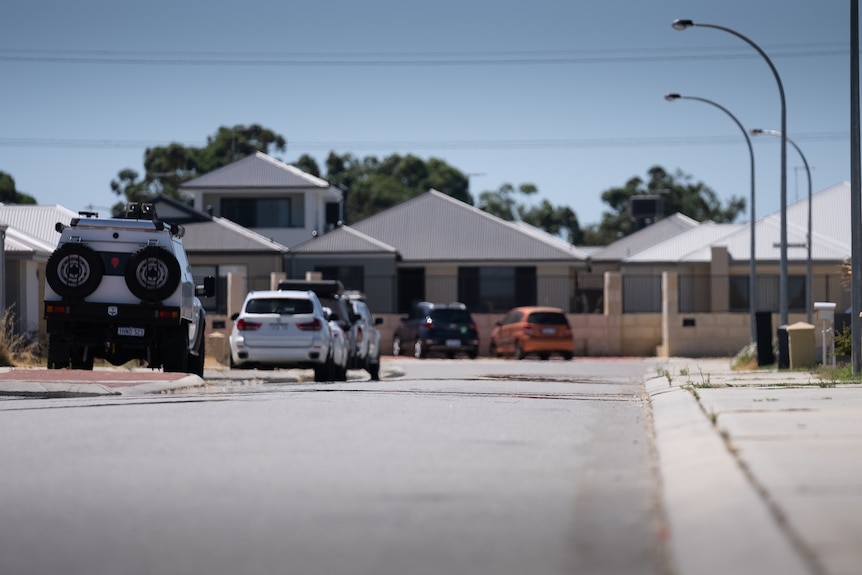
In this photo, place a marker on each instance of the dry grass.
(16, 350)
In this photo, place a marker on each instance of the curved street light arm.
(752, 280)
(680, 24)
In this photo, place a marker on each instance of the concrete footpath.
(761, 470)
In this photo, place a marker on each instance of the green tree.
(372, 185)
(308, 165)
(9, 194)
(679, 193)
(167, 167)
(556, 220)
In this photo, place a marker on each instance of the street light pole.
(782, 278)
(808, 271)
(752, 279)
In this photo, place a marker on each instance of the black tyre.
(82, 358)
(519, 351)
(374, 370)
(58, 353)
(74, 271)
(175, 351)
(152, 273)
(196, 362)
(492, 349)
(324, 372)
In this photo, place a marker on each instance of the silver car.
(367, 338)
(283, 328)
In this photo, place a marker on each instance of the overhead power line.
(368, 145)
(463, 58)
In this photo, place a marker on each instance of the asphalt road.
(443, 467)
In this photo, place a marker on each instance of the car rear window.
(281, 306)
(451, 315)
(547, 318)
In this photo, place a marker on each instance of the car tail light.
(528, 329)
(360, 335)
(313, 325)
(245, 325)
(429, 323)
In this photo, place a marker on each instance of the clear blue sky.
(565, 95)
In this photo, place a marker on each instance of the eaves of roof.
(344, 240)
(18, 243)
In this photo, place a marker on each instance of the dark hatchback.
(446, 329)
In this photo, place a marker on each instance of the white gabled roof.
(256, 171)
(830, 235)
(687, 244)
(649, 236)
(37, 221)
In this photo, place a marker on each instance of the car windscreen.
(451, 315)
(547, 318)
(283, 306)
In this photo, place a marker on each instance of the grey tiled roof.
(344, 240)
(256, 171)
(223, 235)
(436, 227)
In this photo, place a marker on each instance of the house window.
(259, 212)
(767, 293)
(411, 288)
(352, 277)
(496, 289)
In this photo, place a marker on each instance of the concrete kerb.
(718, 521)
(31, 389)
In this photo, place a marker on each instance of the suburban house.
(436, 248)
(221, 248)
(30, 238)
(267, 196)
(676, 287)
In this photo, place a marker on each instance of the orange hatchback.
(543, 331)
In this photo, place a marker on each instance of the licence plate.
(131, 331)
(453, 343)
(549, 330)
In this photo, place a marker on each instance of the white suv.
(284, 328)
(122, 289)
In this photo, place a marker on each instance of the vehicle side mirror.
(234, 316)
(207, 289)
(498, 323)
